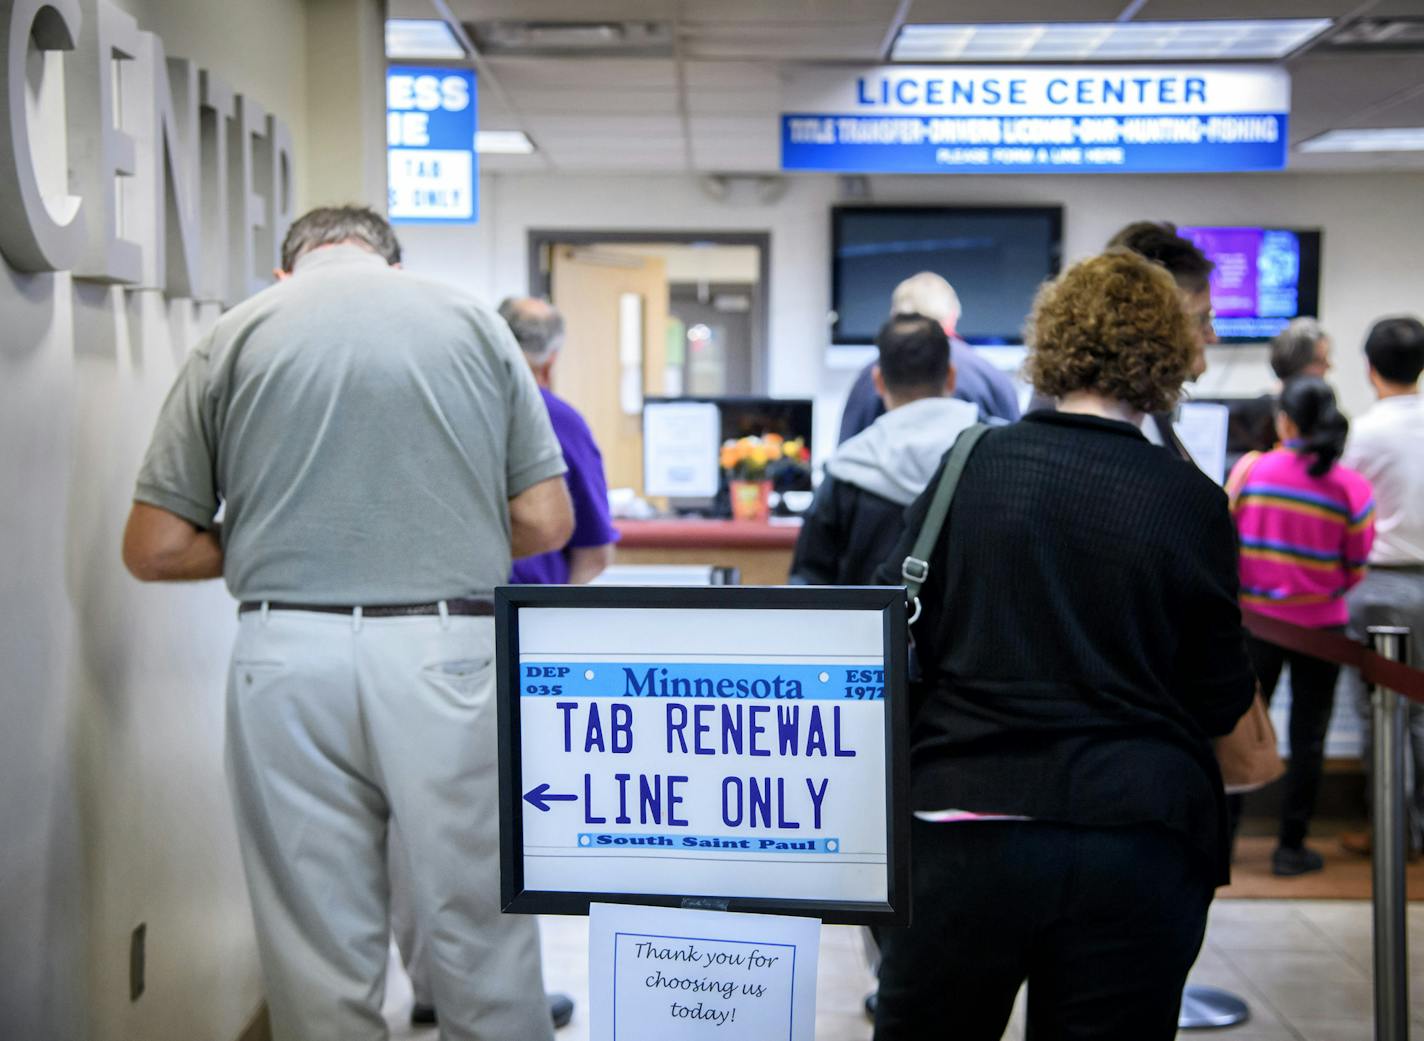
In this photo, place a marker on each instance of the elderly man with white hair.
(979, 382)
(1300, 349)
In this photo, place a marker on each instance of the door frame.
(543, 240)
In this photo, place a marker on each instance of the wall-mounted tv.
(1264, 277)
(995, 257)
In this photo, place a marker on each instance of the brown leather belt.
(455, 606)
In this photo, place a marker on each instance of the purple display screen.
(1256, 284)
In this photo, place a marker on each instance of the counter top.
(705, 534)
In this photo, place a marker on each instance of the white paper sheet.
(665, 974)
(680, 445)
(1201, 426)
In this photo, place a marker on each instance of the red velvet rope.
(1328, 646)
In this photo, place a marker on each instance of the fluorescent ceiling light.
(1384, 139)
(503, 142)
(1106, 41)
(421, 38)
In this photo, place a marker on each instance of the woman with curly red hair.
(1081, 645)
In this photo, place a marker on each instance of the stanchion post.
(1390, 837)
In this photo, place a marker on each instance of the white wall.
(113, 804)
(1372, 263)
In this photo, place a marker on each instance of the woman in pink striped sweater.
(1306, 525)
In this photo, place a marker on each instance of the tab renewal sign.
(430, 144)
(1036, 119)
(682, 751)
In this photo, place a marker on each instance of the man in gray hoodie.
(857, 515)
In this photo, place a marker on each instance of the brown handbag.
(1249, 756)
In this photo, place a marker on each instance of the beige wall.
(114, 808)
(345, 70)
(1372, 264)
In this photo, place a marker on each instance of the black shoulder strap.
(916, 567)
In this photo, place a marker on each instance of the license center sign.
(732, 753)
(1036, 119)
(430, 145)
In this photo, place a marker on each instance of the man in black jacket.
(857, 515)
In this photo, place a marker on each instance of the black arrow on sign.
(540, 798)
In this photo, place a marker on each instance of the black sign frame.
(888, 600)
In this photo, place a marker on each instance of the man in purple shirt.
(539, 329)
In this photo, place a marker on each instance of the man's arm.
(588, 562)
(163, 547)
(541, 518)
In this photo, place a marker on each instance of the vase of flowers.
(754, 465)
(751, 500)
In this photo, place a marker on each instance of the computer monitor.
(1250, 425)
(682, 441)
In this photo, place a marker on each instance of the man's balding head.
(537, 326)
(927, 294)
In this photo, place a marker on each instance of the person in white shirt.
(1386, 445)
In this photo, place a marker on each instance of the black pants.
(1104, 923)
(1312, 700)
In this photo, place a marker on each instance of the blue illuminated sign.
(1036, 119)
(430, 145)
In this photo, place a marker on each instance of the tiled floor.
(1303, 966)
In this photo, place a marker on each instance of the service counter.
(760, 552)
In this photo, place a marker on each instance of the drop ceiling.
(707, 99)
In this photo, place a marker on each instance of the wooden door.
(588, 286)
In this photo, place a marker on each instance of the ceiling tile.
(733, 102)
(631, 129)
(1407, 112)
(1396, 9)
(725, 125)
(805, 12)
(1332, 90)
(559, 10)
(785, 41)
(597, 102)
(617, 73)
(738, 75)
(1362, 162)
(624, 162)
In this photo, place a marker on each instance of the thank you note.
(662, 973)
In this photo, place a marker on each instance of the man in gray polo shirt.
(380, 452)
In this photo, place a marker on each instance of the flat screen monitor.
(1263, 278)
(995, 257)
(682, 441)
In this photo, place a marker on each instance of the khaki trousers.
(336, 726)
